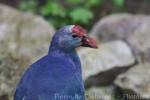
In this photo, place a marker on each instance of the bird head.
(72, 36)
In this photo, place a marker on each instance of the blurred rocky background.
(118, 70)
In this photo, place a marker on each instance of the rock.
(137, 80)
(105, 78)
(8, 76)
(24, 38)
(24, 33)
(108, 60)
(100, 93)
(133, 29)
(107, 56)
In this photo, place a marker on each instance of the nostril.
(74, 36)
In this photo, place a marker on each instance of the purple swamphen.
(57, 76)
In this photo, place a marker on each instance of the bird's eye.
(74, 36)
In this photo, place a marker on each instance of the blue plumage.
(57, 76)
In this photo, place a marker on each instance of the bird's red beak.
(86, 40)
(89, 42)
